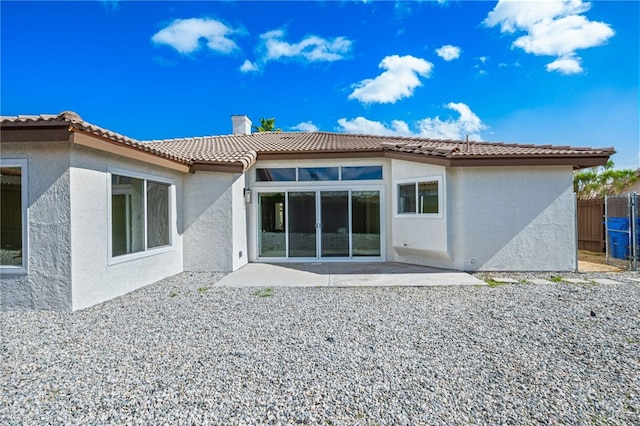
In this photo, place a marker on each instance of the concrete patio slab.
(343, 275)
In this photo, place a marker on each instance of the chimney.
(241, 125)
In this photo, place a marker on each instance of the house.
(89, 214)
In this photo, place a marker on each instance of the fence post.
(606, 229)
(575, 224)
(633, 228)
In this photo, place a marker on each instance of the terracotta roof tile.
(245, 149)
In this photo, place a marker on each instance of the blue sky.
(546, 72)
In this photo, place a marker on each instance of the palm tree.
(267, 125)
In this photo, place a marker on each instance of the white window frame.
(172, 207)
(396, 190)
(24, 198)
(324, 182)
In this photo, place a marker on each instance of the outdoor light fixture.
(247, 195)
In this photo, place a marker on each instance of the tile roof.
(244, 150)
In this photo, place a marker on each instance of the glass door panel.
(365, 223)
(334, 211)
(271, 238)
(302, 224)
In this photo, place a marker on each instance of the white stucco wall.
(47, 283)
(240, 253)
(515, 218)
(495, 219)
(214, 219)
(95, 277)
(412, 238)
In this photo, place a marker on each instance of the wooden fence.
(591, 232)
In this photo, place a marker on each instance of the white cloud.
(552, 27)
(398, 81)
(522, 15)
(448, 52)
(566, 65)
(564, 36)
(361, 125)
(184, 35)
(248, 66)
(311, 48)
(468, 123)
(306, 126)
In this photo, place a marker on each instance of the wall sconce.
(247, 195)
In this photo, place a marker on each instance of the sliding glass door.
(301, 210)
(319, 224)
(365, 223)
(334, 229)
(272, 236)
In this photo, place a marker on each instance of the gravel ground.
(183, 351)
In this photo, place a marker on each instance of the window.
(140, 215)
(362, 173)
(422, 197)
(407, 198)
(317, 173)
(13, 215)
(276, 175)
(310, 174)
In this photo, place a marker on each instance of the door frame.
(317, 189)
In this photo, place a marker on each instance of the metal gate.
(622, 230)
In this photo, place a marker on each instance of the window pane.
(157, 214)
(302, 224)
(362, 173)
(276, 175)
(365, 223)
(127, 215)
(428, 197)
(11, 216)
(317, 173)
(334, 211)
(407, 198)
(272, 225)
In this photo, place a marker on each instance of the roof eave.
(221, 167)
(576, 161)
(52, 132)
(91, 140)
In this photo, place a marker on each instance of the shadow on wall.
(515, 220)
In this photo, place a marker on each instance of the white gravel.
(183, 351)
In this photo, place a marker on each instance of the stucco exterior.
(69, 265)
(491, 219)
(96, 276)
(106, 214)
(214, 222)
(496, 219)
(417, 238)
(47, 283)
(513, 218)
